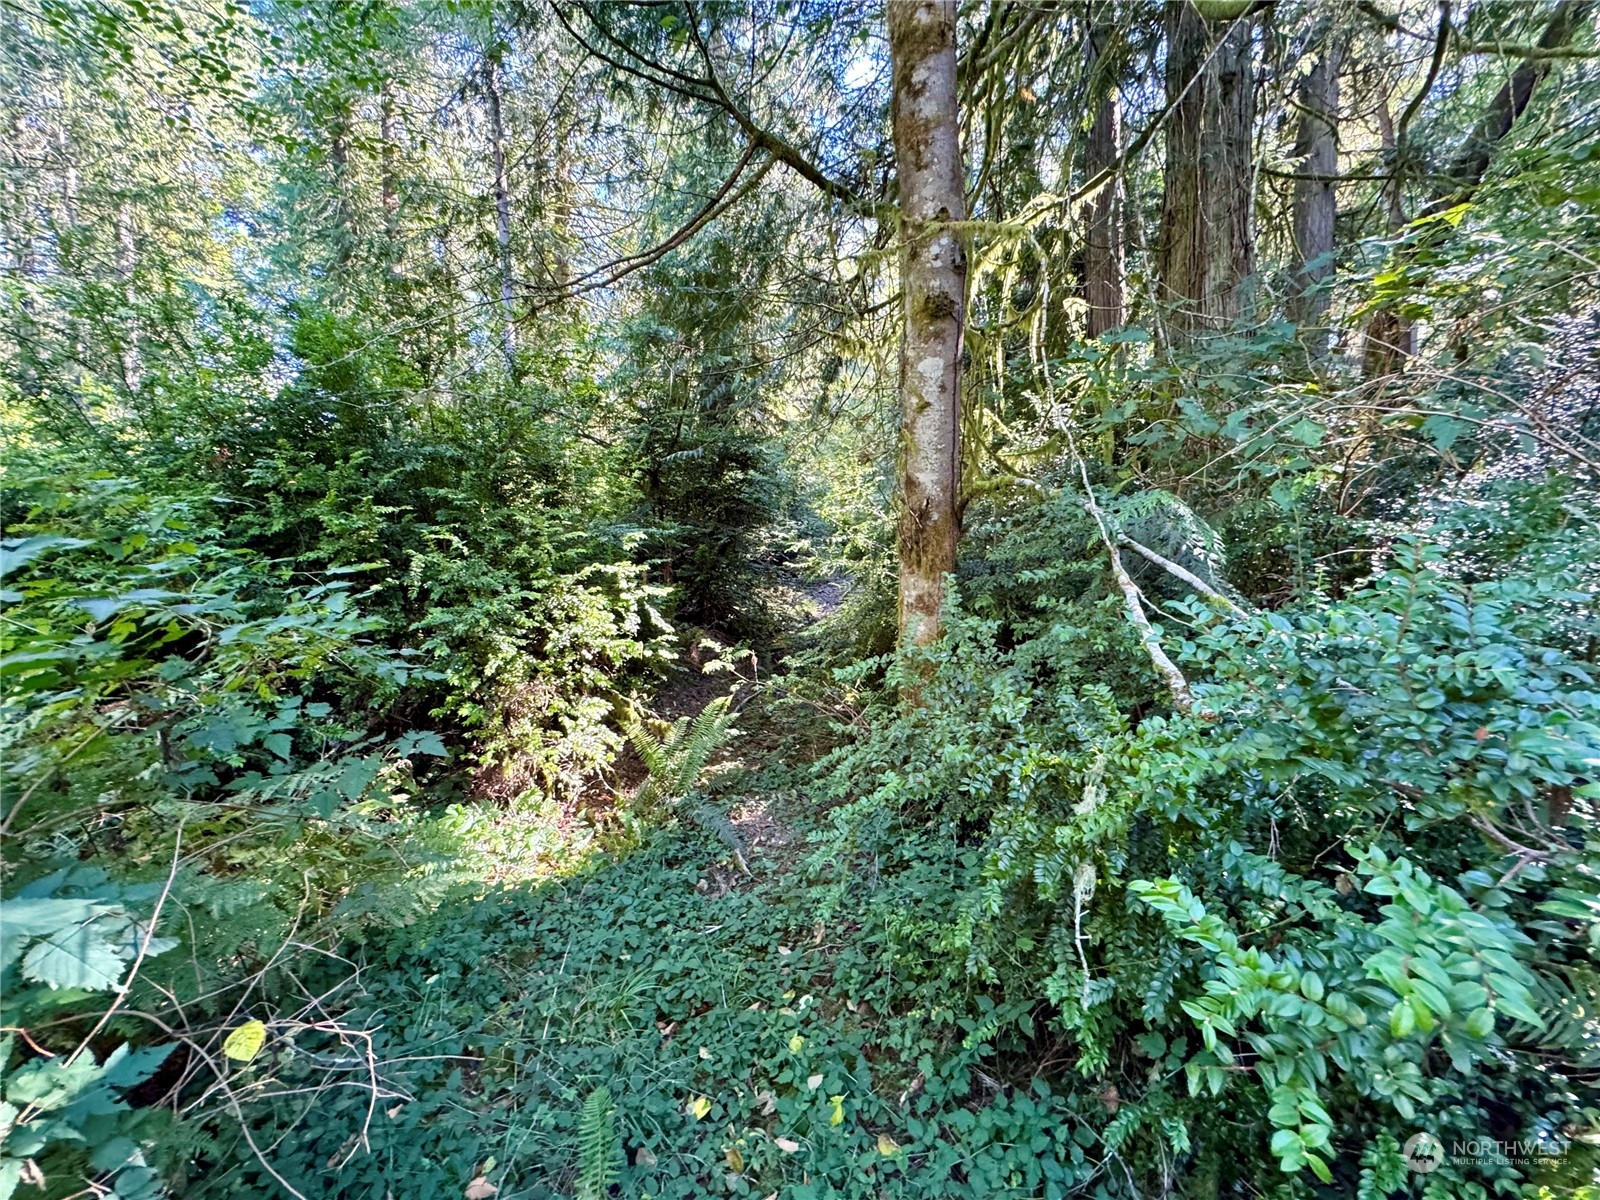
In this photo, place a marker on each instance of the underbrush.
(744, 1047)
(204, 785)
(1347, 897)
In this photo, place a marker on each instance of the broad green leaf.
(82, 956)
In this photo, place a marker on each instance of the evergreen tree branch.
(720, 202)
(1471, 163)
(774, 145)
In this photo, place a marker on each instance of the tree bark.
(502, 210)
(344, 220)
(1104, 255)
(933, 271)
(1206, 251)
(127, 265)
(1391, 339)
(1314, 205)
(388, 183)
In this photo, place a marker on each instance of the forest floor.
(741, 1029)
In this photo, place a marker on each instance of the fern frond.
(714, 820)
(597, 1145)
(675, 762)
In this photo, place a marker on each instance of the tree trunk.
(1471, 162)
(127, 265)
(933, 275)
(1390, 338)
(344, 219)
(502, 210)
(1317, 148)
(1104, 256)
(1206, 253)
(388, 184)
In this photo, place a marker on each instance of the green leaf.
(125, 1068)
(17, 552)
(50, 1084)
(1443, 431)
(23, 918)
(102, 610)
(1402, 1020)
(1319, 1168)
(1308, 432)
(82, 956)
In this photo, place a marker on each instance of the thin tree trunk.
(344, 220)
(1206, 254)
(127, 264)
(389, 185)
(1471, 162)
(1314, 208)
(933, 274)
(69, 181)
(1104, 255)
(1390, 338)
(502, 211)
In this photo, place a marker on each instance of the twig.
(1488, 829)
(229, 1096)
(1177, 685)
(5, 825)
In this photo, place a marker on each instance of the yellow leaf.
(796, 1044)
(699, 1107)
(838, 1110)
(887, 1146)
(735, 1159)
(245, 1042)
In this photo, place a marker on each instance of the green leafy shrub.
(197, 718)
(1363, 851)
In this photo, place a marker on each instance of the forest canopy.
(794, 598)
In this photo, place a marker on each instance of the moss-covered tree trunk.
(1207, 245)
(933, 273)
(1103, 249)
(1317, 148)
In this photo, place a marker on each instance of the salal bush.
(1346, 899)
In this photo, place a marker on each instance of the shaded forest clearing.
(800, 599)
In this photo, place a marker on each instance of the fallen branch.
(1177, 685)
(1183, 573)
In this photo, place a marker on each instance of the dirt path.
(826, 596)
